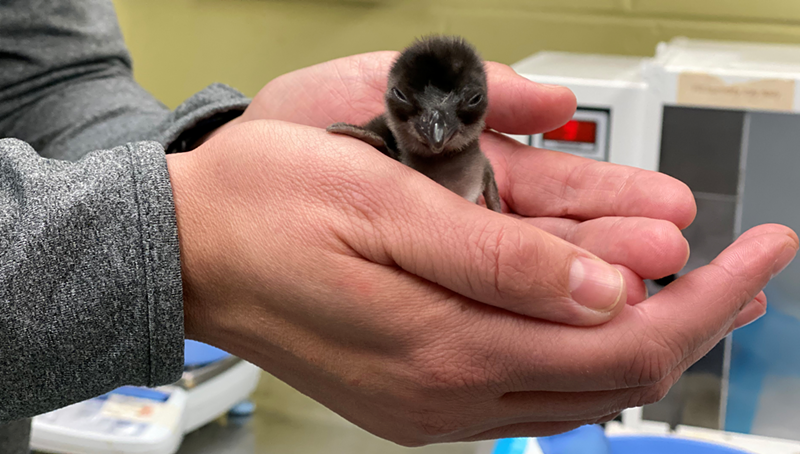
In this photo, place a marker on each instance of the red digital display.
(574, 131)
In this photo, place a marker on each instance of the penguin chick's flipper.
(490, 193)
(374, 133)
(359, 133)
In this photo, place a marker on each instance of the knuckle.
(508, 255)
(652, 362)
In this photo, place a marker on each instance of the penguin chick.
(436, 103)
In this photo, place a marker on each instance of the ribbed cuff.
(161, 259)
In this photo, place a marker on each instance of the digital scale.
(132, 420)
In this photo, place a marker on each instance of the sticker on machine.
(700, 89)
(134, 409)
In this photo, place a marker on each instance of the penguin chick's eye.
(476, 100)
(399, 95)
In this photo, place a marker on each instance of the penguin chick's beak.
(434, 128)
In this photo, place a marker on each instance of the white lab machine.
(134, 420)
(725, 119)
(618, 115)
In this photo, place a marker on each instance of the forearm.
(90, 289)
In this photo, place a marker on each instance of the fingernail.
(784, 260)
(750, 315)
(595, 284)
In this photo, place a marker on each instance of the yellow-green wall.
(180, 46)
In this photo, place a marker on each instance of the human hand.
(397, 304)
(637, 232)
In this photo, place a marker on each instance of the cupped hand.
(629, 218)
(403, 307)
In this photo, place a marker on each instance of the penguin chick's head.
(437, 96)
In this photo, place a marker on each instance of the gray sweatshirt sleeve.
(90, 284)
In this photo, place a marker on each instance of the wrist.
(217, 302)
(184, 179)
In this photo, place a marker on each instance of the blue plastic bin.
(592, 440)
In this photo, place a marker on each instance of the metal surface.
(196, 377)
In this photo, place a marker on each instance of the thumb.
(491, 258)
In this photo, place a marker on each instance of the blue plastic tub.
(592, 440)
(663, 445)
